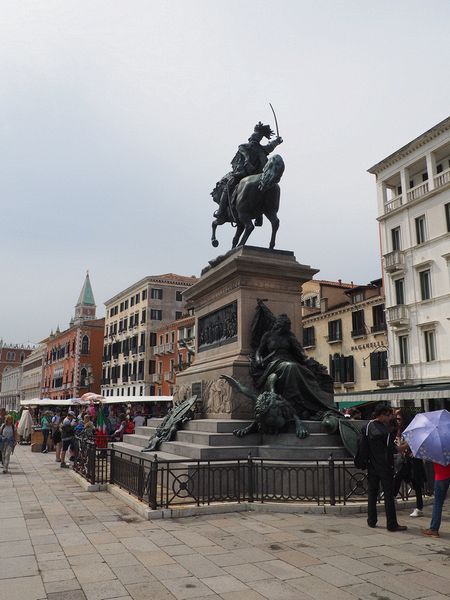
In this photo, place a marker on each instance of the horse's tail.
(272, 173)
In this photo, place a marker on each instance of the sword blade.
(276, 120)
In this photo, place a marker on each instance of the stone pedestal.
(225, 299)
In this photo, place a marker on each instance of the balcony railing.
(393, 204)
(156, 378)
(168, 348)
(417, 192)
(442, 178)
(394, 261)
(402, 373)
(158, 349)
(169, 376)
(398, 315)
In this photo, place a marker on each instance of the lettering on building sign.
(368, 345)
(218, 328)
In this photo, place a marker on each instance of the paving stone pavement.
(59, 542)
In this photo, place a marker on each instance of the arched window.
(83, 377)
(85, 345)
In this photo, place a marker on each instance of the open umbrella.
(428, 436)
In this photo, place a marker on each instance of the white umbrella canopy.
(428, 436)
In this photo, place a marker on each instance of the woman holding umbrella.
(428, 436)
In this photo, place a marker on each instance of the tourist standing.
(8, 441)
(381, 468)
(45, 427)
(56, 434)
(441, 485)
(67, 436)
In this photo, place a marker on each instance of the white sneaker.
(416, 513)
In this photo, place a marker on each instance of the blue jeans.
(440, 493)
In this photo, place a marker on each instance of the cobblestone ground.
(59, 542)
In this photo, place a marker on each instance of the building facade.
(344, 328)
(73, 357)
(32, 373)
(174, 352)
(413, 186)
(132, 319)
(12, 355)
(10, 388)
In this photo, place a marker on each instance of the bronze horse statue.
(255, 196)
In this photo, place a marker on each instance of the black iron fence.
(164, 484)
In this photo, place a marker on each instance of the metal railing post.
(250, 482)
(111, 465)
(152, 488)
(331, 480)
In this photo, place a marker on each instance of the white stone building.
(413, 187)
(10, 388)
(32, 372)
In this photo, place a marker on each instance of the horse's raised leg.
(249, 227)
(214, 242)
(237, 235)
(275, 222)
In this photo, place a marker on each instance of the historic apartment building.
(344, 328)
(10, 388)
(413, 187)
(132, 318)
(73, 357)
(32, 372)
(174, 352)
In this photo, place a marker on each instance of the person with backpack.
(380, 468)
(8, 439)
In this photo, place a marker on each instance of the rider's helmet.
(260, 131)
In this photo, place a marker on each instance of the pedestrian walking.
(67, 436)
(7, 440)
(56, 434)
(407, 468)
(441, 485)
(381, 468)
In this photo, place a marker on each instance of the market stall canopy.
(53, 402)
(136, 399)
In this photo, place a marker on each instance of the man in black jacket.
(381, 468)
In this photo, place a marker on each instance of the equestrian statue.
(250, 190)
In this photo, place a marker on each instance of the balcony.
(394, 261)
(417, 191)
(393, 204)
(158, 349)
(156, 378)
(168, 348)
(142, 348)
(397, 315)
(442, 178)
(402, 373)
(169, 376)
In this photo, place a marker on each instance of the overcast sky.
(118, 117)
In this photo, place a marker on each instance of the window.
(430, 345)
(447, 215)
(178, 315)
(378, 317)
(85, 345)
(83, 378)
(403, 349)
(395, 238)
(10, 356)
(378, 366)
(132, 301)
(335, 330)
(425, 284)
(308, 337)
(342, 368)
(179, 296)
(399, 291)
(138, 298)
(155, 315)
(152, 339)
(358, 324)
(311, 301)
(126, 304)
(151, 367)
(156, 294)
(420, 229)
(358, 297)
(144, 294)
(143, 316)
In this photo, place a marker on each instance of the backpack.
(361, 459)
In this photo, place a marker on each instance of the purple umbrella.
(428, 436)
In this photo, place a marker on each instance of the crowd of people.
(390, 463)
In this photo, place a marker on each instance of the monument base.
(224, 301)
